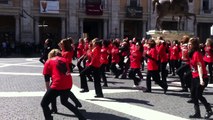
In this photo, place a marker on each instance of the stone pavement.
(22, 87)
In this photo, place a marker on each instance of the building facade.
(35, 20)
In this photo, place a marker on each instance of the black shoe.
(78, 105)
(195, 116)
(190, 101)
(90, 80)
(165, 89)
(99, 96)
(82, 91)
(184, 90)
(123, 77)
(208, 114)
(54, 111)
(105, 85)
(147, 91)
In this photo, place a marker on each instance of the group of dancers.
(186, 58)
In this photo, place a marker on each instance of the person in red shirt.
(184, 71)
(87, 58)
(94, 66)
(104, 61)
(115, 59)
(174, 56)
(80, 48)
(208, 56)
(163, 59)
(152, 67)
(125, 51)
(57, 69)
(67, 53)
(135, 63)
(199, 78)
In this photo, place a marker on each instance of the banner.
(49, 6)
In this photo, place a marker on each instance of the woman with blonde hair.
(57, 68)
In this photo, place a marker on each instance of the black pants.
(115, 70)
(163, 72)
(209, 70)
(97, 80)
(174, 65)
(132, 75)
(102, 71)
(156, 77)
(51, 95)
(182, 71)
(197, 92)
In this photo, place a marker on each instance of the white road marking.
(142, 112)
(29, 74)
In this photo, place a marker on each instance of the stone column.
(122, 29)
(105, 29)
(73, 24)
(63, 27)
(37, 31)
(190, 23)
(27, 23)
(115, 25)
(17, 36)
(152, 17)
(81, 27)
(144, 28)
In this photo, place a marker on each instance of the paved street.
(22, 87)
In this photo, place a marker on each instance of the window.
(205, 5)
(93, 1)
(4, 1)
(133, 3)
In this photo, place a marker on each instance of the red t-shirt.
(174, 54)
(184, 53)
(197, 57)
(135, 58)
(68, 55)
(80, 50)
(60, 81)
(95, 57)
(104, 55)
(162, 53)
(152, 64)
(115, 55)
(208, 57)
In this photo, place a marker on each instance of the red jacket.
(95, 57)
(135, 58)
(115, 55)
(68, 55)
(208, 57)
(197, 57)
(104, 55)
(59, 81)
(80, 50)
(174, 54)
(163, 57)
(152, 64)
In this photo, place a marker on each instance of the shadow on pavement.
(101, 116)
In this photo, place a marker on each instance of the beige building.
(35, 20)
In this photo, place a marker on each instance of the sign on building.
(49, 6)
